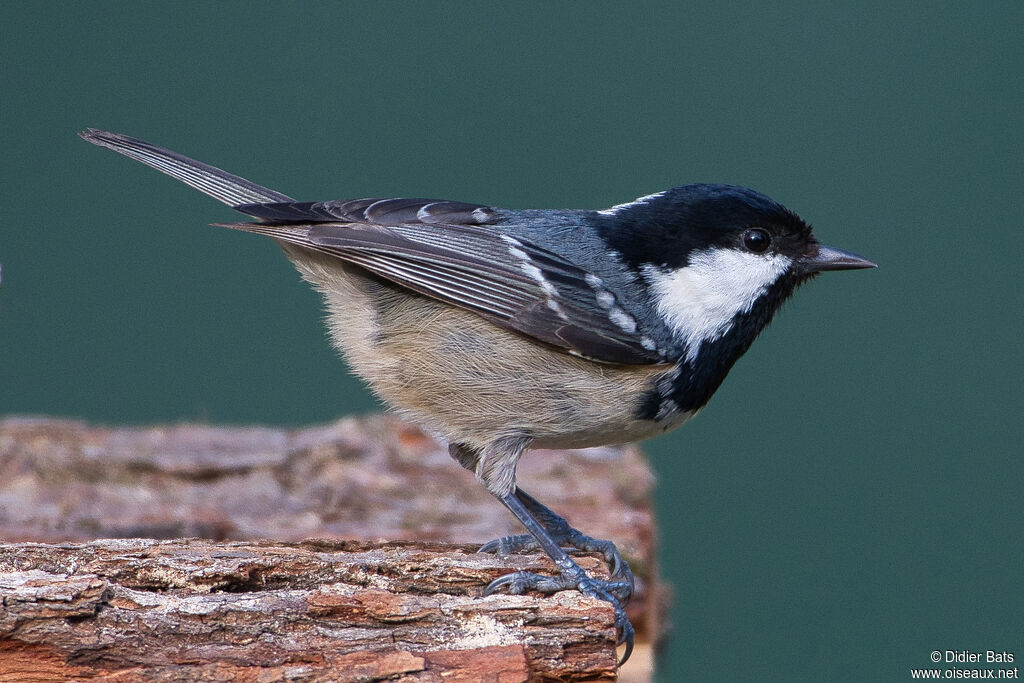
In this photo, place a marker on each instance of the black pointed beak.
(830, 258)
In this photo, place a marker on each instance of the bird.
(507, 329)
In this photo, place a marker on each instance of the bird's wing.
(447, 251)
(439, 248)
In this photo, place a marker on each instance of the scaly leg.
(495, 467)
(570, 575)
(568, 538)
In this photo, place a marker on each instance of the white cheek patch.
(701, 300)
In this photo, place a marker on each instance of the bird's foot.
(572, 541)
(574, 578)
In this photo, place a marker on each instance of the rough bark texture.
(138, 610)
(352, 606)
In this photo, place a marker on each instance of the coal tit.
(507, 329)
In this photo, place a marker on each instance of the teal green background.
(850, 501)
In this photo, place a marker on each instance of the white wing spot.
(535, 272)
(606, 299)
(519, 254)
(622, 319)
(553, 305)
(527, 266)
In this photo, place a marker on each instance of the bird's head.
(717, 261)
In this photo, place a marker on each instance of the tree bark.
(350, 606)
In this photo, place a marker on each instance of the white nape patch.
(701, 300)
(611, 211)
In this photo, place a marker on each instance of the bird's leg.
(570, 575)
(495, 467)
(557, 527)
(566, 537)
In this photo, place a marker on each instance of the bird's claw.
(518, 583)
(626, 636)
(510, 545)
(617, 567)
(609, 591)
(574, 542)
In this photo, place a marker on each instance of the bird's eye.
(757, 240)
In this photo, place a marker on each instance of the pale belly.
(472, 381)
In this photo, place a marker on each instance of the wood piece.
(142, 610)
(362, 479)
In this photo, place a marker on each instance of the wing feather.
(373, 210)
(511, 282)
(444, 249)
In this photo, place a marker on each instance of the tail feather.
(226, 187)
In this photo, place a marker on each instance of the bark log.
(349, 606)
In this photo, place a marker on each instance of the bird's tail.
(221, 185)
